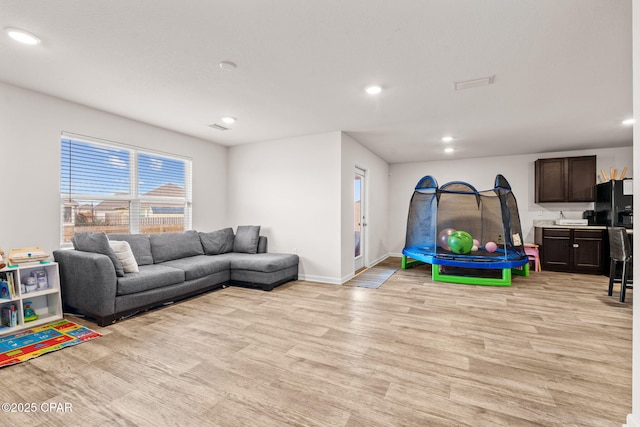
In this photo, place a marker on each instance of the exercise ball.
(476, 243)
(443, 238)
(491, 247)
(460, 242)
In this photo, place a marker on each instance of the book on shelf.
(5, 316)
(4, 290)
(8, 277)
(9, 316)
(24, 256)
(29, 264)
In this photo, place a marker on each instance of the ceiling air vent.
(218, 127)
(468, 84)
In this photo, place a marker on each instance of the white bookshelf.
(46, 302)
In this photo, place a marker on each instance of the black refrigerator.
(614, 208)
(614, 203)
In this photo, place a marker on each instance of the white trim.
(188, 193)
(348, 277)
(343, 280)
(379, 260)
(115, 144)
(134, 205)
(632, 421)
(320, 279)
(364, 215)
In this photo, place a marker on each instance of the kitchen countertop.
(550, 223)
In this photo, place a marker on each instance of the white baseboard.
(379, 260)
(320, 279)
(345, 279)
(632, 421)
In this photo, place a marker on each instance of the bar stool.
(531, 249)
(620, 252)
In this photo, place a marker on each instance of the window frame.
(134, 199)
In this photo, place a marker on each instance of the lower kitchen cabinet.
(573, 250)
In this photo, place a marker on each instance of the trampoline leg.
(523, 271)
(408, 264)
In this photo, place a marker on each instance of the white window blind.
(115, 188)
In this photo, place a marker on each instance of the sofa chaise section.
(170, 266)
(263, 270)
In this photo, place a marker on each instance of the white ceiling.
(563, 78)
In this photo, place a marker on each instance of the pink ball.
(491, 247)
(443, 238)
(476, 243)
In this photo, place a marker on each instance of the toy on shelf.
(29, 313)
(41, 278)
(29, 284)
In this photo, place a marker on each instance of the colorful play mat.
(31, 343)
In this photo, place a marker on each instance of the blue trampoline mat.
(477, 259)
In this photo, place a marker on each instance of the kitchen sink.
(572, 222)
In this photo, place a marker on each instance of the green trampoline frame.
(437, 276)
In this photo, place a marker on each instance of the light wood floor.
(552, 350)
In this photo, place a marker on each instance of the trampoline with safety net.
(468, 236)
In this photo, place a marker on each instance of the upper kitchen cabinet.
(566, 179)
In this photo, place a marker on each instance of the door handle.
(575, 245)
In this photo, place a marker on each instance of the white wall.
(376, 209)
(481, 173)
(633, 419)
(30, 128)
(291, 188)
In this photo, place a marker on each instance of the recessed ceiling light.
(448, 150)
(228, 120)
(447, 138)
(227, 65)
(628, 122)
(373, 90)
(22, 36)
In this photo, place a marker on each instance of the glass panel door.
(358, 192)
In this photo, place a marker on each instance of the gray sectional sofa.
(170, 266)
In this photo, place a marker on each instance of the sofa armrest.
(88, 281)
(262, 244)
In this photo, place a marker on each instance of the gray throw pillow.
(170, 246)
(89, 241)
(217, 242)
(246, 240)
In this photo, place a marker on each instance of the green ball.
(460, 242)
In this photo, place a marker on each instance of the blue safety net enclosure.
(457, 226)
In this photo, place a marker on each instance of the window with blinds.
(121, 189)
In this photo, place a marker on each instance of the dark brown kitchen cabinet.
(565, 179)
(572, 250)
